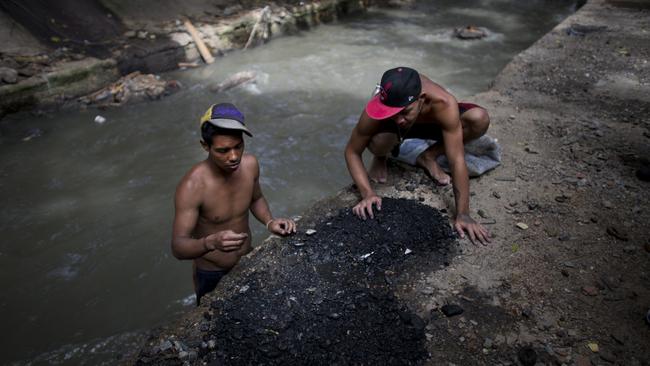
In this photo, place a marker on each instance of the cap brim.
(378, 110)
(230, 124)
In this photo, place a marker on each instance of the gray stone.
(182, 38)
(8, 75)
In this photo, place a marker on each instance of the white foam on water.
(188, 300)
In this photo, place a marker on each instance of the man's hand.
(282, 226)
(475, 230)
(225, 241)
(364, 207)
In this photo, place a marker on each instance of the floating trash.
(99, 119)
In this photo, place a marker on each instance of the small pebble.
(590, 290)
(310, 232)
(451, 310)
(593, 346)
(522, 226)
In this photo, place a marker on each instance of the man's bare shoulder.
(194, 179)
(249, 163)
(368, 126)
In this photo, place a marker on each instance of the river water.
(87, 208)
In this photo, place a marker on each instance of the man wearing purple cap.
(213, 200)
(409, 105)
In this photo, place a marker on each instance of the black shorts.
(206, 281)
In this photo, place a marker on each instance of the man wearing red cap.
(213, 200)
(409, 105)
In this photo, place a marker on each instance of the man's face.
(407, 116)
(226, 151)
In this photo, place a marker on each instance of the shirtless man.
(409, 105)
(213, 199)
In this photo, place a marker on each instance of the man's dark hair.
(208, 131)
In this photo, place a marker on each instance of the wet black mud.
(331, 298)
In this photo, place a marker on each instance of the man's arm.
(359, 140)
(260, 208)
(452, 134)
(187, 202)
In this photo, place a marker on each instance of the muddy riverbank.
(565, 279)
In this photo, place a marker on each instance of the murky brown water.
(87, 208)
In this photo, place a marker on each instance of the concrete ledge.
(69, 80)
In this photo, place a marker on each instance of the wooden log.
(260, 19)
(203, 50)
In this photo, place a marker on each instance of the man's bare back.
(410, 105)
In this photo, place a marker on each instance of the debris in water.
(234, 80)
(470, 32)
(100, 119)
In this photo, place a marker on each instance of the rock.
(182, 38)
(100, 119)
(620, 337)
(629, 249)
(590, 290)
(310, 232)
(582, 361)
(496, 195)
(643, 173)
(166, 345)
(521, 226)
(499, 339)
(618, 233)
(451, 310)
(488, 343)
(564, 237)
(8, 75)
(593, 346)
(527, 356)
(546, 323)
(482, 214)
(564, 272)
(607, 356)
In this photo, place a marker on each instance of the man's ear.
(204, 145)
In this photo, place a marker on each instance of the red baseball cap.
(399, 87)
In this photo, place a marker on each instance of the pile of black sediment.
(331, 301)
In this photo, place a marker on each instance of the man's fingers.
(234, 236)
(370, 213)
(379, 204)
(459, 230)
(362, 212)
